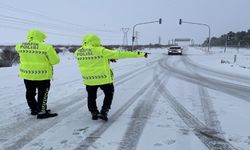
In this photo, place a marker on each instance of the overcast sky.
(66, 21)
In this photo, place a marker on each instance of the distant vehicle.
(175, 50)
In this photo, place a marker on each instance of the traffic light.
(180, 21)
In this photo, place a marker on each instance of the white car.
(175, 50)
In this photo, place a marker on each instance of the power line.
(57, 34)
(30, 22)
(13, 22)
(36, 23)
(23, 11)
(9, 20)
(51, 33)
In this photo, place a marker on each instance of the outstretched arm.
(117, 54)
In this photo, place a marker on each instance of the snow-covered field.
(188, 102)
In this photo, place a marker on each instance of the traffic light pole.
(209, 31)
(133, 36)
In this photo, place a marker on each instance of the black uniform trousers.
(108, 90)
(39, 105)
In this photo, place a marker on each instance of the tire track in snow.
(231, 76)
(139, 118)
(210, 115)
(240, 91)
(33, 127)
(207, 135)
(28, 129)
(88, 141)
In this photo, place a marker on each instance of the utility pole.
(238, 47)
(192, 42)
(225, 49)
(125, 36)
(159, 40)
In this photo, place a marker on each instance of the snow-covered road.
(163, 102)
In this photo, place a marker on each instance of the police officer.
(36, 68)
(93, 60)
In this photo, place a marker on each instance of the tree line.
(238, 39)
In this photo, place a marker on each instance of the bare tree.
(8, 57)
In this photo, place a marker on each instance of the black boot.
(46, 114)
(33, 112)
(95, 115)
(103, 115)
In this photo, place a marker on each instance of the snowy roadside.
(221, 61)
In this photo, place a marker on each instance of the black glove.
(112, 60)
(145, 54)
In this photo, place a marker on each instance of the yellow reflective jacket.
(93, 60)
(36, 58)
